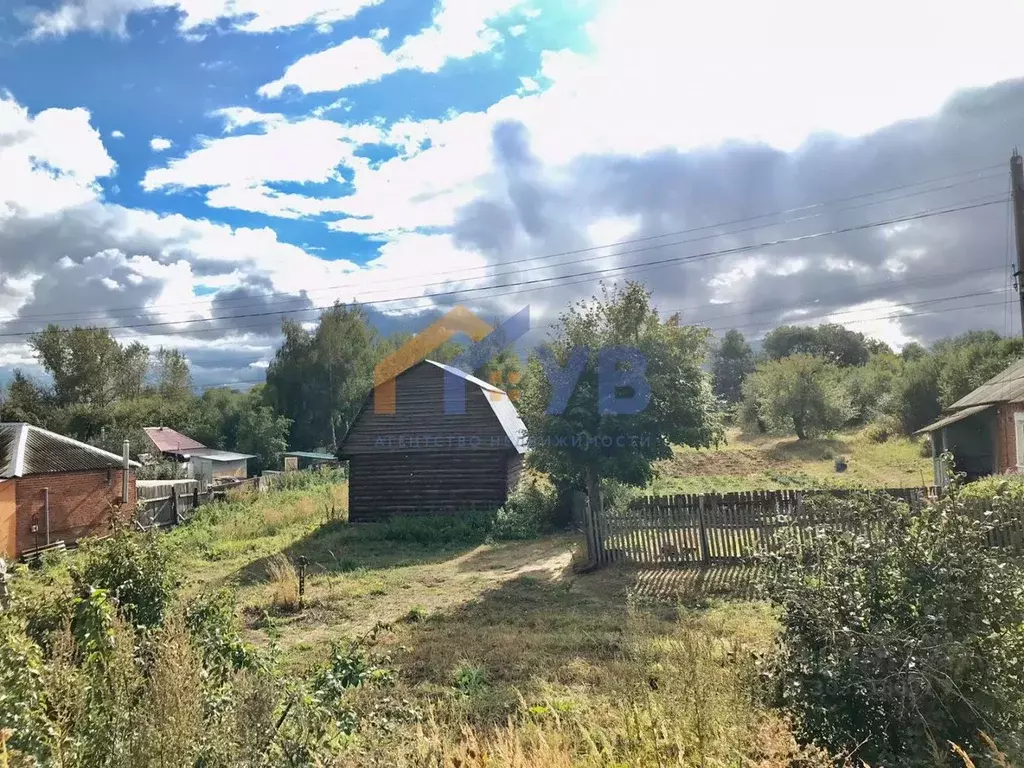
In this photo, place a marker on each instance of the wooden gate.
(706, 529)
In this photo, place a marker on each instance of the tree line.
(813, 380)
(803, 381)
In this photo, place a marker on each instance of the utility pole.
(1017, 195)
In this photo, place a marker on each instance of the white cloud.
(245, 15)
(160, 144)
(240, 117)
(309, 150)
(116, 135)
(48, 162)
(460, 29)
(528, 85)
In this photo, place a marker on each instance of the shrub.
(924, 448)
(895, 642)
(133, 569)
(995, 489)
(528, 512)
(284, 582)
(877, 432)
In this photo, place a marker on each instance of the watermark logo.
(619, 368)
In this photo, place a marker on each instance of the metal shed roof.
(502, 406)
(29, 450)
(953, 418)
(216, 455)
(1005, 387)
(311, 455)
(167, 440)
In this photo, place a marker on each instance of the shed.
(420, 460)
(308, 459)
(209, 465)
(171, 443)
(984, 430)
(54, 488)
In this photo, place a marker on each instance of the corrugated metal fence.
(708, 529)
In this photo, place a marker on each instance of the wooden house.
(420, 460)
(984, 430)
(56, 489)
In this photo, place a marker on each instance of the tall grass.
(284, 583)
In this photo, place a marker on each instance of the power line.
(641, 267)
(590, 249)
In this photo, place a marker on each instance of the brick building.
(54, 488)
(984, 430)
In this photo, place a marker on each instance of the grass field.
(505, 655)
(761, 462)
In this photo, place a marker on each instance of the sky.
(188, 172)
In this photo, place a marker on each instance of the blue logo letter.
(611, 377)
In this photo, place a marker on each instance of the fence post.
(174, 506)
(705, 555)
(302, 579)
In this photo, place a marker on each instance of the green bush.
(878, 432)
(528, 512)
(994, 488)
(133, 568)
(894, 642)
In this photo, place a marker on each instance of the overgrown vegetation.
(903, 632)
(816, 380)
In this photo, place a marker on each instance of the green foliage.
(172, 374)
(133, 569)
(895, 642)
(85, 363)
(319, 379)
(800, 393)
(21, 685)
(833, 343)
(972, 358)
(682, 409)
(211, 621)
(263, 433)
(871, 386)
(529, 511)
(731, 362)
(1009, 487)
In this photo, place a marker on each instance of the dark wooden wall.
(427, 483)
(419, 423)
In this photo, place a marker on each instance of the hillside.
(760, 462)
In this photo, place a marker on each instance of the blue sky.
(169, 165)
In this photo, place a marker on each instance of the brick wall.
(79, 505)
(1006, 437)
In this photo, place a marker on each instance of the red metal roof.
(167, 440)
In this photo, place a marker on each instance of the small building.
(298, 460)
(207, 465)
(420, 460)
(984, 430)
(171, 444)
(210, 466)
(54, 488)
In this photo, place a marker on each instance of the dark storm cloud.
(533, 212)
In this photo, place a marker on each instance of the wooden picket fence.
(709, 529)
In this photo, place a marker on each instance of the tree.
(731, 362)
(319, 379)
(261, 432)
(84, 363)
(25, 401)
(872, 387)
(504, 371)
(597, 425)
(971, 359)
(344, 355)
(831, 342)
(173, 377)
(800, 392)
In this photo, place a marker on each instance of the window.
(1018, 423)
